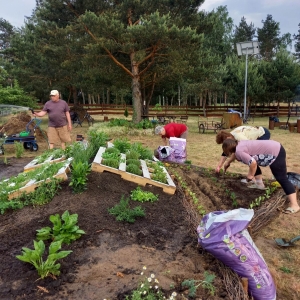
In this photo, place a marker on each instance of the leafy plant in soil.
(132, 154)
(133, 161)
(35, 257)
(122, 144)
(142, 196)
(134, 169)
(79, 173)
(19, 149)
(96, 140)
(123, 212)
(144, 152)
(193, 284)
(65, 229)
(111, 162)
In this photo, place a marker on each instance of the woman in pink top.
(263, 153)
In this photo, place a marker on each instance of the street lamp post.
(246, 48)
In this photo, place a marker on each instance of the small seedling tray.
(32, 184)
(168, 188)
(33, 164)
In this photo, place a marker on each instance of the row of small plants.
(41, 196)
(16, 182)
(157, 171)
(53, 154)
(126, 123)
(64, 231)
(123, 211)
(258, 201)
(134, 153)
(189, 193)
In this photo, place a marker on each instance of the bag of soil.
(224, 235)
(176, 152)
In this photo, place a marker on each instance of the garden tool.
(284, 243)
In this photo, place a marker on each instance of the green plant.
(111, 162)
(19, 149)
(96, 140)
(65, 229)
(148, 289)
(132, 154)
(79, 173)
(35, 257)
(145, 153)
(123, 212)
(134, 169)
(193, 284)
(285, 270)
(126, 112)
(122, 144)
(133, 161)
(233, 198)
(142, 196)
(157, 107)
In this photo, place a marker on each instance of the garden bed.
(47, 157)
(143, 180)
(29, 181)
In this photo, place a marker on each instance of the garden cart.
(28, 137)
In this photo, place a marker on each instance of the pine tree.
(244, 32)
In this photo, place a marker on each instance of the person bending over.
(241, 133)
(172, 130)
(263, 153)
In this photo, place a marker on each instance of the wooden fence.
(209, 111)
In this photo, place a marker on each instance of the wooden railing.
(209, 111)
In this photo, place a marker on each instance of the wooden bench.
(183, 119)
(212, 124)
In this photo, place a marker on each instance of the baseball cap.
(158, 129)
(54, 93)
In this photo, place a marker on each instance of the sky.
(286, 12)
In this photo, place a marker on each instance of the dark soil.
(107, 261)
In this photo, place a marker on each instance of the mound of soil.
(18, 123)
(107, 261)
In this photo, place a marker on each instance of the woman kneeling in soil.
(263, 153)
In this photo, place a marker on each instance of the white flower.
(174, 294)
(142, 273)
(144, 292)
(150, 286)
(142, 285)
(149, 279)
(152, 275)
(144, 268)
(156, 280)
(156, 286)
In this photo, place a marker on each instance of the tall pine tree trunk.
(136, 90)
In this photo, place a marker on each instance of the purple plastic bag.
(224, 235)
(176, 152)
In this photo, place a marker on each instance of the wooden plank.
(32, 165)
(145, 170)
(122, 166)
(98, 156)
